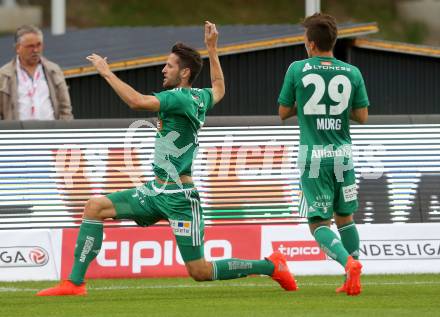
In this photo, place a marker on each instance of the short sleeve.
(287, 94)
(208, 98)
(169, 102)
(360, 98)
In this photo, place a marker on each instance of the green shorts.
(324, 195)
(151, 202)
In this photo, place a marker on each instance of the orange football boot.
(65, 288)
(281, 272)
(342, 288)
(353, 269)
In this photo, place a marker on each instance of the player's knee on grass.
(199, 270)
(93, 209)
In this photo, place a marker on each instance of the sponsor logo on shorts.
(349, 192)
(181, 228)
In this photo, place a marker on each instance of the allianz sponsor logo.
(328, 152)
(23, 256)
(426, 249)
(308, 67)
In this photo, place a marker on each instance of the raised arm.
(130, 96)
(217, 79)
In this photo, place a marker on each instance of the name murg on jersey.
(328, 124)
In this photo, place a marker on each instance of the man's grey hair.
(26, 29)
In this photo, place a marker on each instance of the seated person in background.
(31, 87)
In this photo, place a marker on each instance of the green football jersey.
(181, 115)
(325, 90)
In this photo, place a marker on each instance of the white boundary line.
(237, 285)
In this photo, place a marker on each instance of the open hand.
(211, 35)
(99, 63)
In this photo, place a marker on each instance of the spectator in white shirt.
(32, 87)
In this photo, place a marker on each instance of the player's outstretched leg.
(227, 269)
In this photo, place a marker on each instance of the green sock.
(235, 268)
(331, 244)
(87, 248)
(350, 239)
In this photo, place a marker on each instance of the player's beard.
(172, 84)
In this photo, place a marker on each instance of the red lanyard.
(31, 91)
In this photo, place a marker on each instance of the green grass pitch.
(383, 295)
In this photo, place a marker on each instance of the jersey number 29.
(313, 107)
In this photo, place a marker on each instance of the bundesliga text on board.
(23, 256)
(370, 250)
(384, 248)
(401, 249)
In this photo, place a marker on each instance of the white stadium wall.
(139, 252)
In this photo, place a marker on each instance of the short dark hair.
(322, 29)
(188, 58)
